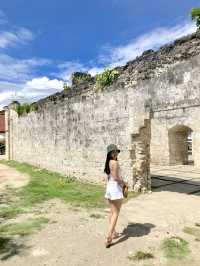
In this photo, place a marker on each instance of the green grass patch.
(140, 255)
(175, 248)
(10, 212)
(192, 231)
(45, 185)
(22, 229)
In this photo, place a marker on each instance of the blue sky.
(43, 42)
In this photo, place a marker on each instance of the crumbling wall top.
(143, 67)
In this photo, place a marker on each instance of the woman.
(114, 191)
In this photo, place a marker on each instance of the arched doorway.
(180, 145)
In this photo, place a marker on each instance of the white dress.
(113, 189)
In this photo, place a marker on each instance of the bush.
(66, 87)
(25, 108)
(195, 15)
(106, 78)
(79, 77)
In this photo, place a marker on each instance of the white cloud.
(7, 96)
(44, 83)
(18, 81)
(12, 69)
(116, 56)
(19, 36)
(32, 90)
(95, 70)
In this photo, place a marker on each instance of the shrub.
(195, 15)
(66, 87)
(79, 77)
(106, 78)
(25, 108)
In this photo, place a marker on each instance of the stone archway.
(180, 145)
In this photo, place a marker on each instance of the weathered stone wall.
(70, 136)
(153, 93)
(175, 101)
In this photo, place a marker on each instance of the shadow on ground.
(174, 184)
(134, 230)
(9, 247)
(181, 179)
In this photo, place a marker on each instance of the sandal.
(116, 235)
(108, 241)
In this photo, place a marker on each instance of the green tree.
(195, 15)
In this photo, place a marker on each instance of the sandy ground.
(74, 238)
(11, 177)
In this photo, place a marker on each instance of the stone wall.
(70, 136)
(175, 101)
(70, 131)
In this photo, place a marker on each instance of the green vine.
(105, 79)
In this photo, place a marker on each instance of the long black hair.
(108, 158)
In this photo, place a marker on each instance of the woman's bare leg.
(115, 234)
(115, 206)
(109, 219)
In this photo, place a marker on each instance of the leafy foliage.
(79, 77)
(195, 15)
(106, 78)
(25, 108)
(66, 87)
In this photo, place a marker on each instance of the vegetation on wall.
(106, 78)
(25, 108)
(195, 15)
(66, 87)
(79, 77)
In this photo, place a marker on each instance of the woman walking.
(114, 190)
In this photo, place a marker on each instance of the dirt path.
(74, 238)
(11, 177)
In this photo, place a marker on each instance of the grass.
(192, 231)
(45, 185)
(8, 244)
(140, 255)
(175, 248)
(22, 229)
(10, 212)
